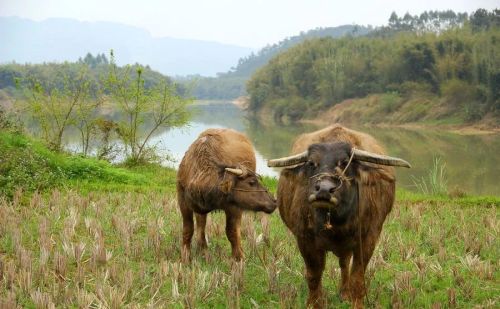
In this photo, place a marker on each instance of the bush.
(390, 102)
(458, 92)
(21, 167)
(8, 122)
(409, 89)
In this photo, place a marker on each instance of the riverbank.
(416, 113)
(383, 110)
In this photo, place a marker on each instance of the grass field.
(100, 242)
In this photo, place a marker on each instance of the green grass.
(29, 165)
(103, 236)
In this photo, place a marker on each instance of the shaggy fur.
(371, 196)
(203, 185)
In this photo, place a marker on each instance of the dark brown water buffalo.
(218, 172)
(334, 196)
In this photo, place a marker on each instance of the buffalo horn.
(366, 156)
(236, 171)
(288, 161)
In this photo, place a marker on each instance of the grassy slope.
(29, 164)
(119, 245)
(424, 110)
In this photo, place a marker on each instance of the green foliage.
(218, 88)
(481, 19)
(8, 121)
(324, 72)
(72, 95)
(231, 85)
(427, 21)
(92, 61)
(25, 166)
(145, 110)
(49, 74)
(71, 100)
(390, 102)
(28, 165)
(435, 183)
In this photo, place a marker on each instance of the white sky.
(251, 23)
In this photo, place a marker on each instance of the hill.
(448, 73)
(231, 84)
(58, 39)
(51, 74)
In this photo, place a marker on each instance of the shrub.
(409, 89)
(458, 92)
(21, 167)
(389, 102)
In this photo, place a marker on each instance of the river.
(471, 162)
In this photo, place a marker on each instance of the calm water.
(472, 163)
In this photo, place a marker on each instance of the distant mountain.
(59, 39)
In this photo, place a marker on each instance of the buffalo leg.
(315, 264)
(361, 257)
(201, 223)
(233, 223)
(187, 230)
(345, 263)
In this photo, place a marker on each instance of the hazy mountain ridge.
(61, 39)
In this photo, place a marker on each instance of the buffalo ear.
(226, 185)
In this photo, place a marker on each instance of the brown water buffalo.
(218, 172)
(334, 196)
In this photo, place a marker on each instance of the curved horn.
(236, 171)
(287, 161)
(362, 155)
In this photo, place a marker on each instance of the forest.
(448, 58)
(231, 84)
(50, 73)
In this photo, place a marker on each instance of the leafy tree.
(418, 63)
(145, 110)
(55, 106)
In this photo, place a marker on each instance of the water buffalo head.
(243, 189)
(331, 170)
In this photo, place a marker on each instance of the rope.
(348, 163)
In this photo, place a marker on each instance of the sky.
(249, 23)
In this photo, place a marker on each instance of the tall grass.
(435, 183)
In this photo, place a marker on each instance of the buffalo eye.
(252, 183)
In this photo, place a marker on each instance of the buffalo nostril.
(317, 187)
(332, 190)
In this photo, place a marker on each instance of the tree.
(145, 110)
(86, 113)
(55, 105)
(419, 63)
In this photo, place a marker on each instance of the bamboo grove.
(457, 65)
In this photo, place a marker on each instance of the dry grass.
(115, 250)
